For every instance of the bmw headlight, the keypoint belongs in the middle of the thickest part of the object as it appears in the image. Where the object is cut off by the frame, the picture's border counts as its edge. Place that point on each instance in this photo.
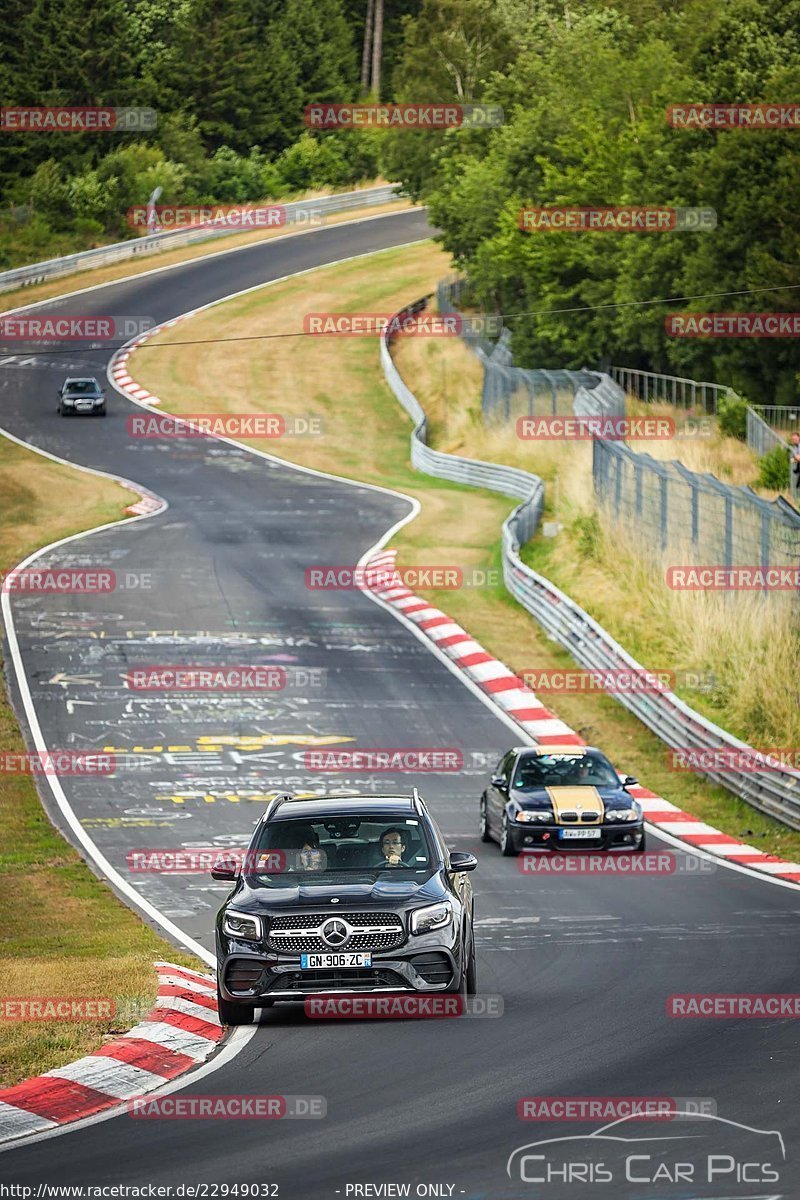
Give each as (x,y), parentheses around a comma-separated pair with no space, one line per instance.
(622,814)
(534,814)
(434,916)
(242,925)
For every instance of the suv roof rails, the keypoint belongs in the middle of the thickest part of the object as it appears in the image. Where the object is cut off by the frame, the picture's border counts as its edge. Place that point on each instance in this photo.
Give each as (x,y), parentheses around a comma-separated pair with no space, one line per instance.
(275,801)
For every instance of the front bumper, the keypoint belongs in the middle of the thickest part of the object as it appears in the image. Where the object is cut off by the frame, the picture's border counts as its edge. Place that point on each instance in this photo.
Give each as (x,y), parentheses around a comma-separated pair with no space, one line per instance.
(247,976)
(85,405)
(613,836)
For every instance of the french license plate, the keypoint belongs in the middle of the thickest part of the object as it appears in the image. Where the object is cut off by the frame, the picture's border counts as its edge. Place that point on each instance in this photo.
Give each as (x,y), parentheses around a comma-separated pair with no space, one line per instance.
(580,834)
(308,962)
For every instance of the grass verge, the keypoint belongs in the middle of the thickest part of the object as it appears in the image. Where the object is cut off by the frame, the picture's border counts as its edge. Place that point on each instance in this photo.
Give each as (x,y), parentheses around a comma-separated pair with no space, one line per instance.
(64,933)
(366,437)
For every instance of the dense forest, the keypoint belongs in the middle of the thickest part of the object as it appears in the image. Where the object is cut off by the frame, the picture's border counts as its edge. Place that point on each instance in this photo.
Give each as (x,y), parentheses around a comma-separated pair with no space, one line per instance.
(584,87)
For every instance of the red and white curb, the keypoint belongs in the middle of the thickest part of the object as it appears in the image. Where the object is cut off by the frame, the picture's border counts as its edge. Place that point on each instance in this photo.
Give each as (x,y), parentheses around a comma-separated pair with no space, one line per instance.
(181,1031)
(118,369)
(510,694)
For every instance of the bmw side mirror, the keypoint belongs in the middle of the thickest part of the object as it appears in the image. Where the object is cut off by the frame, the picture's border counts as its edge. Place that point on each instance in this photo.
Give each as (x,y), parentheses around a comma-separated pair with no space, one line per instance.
(498,781)
(629,781)
(226,869)
(460,861)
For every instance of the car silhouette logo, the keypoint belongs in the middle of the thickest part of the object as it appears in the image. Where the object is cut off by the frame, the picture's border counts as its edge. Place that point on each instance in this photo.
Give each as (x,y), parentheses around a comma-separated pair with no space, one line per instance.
(336,932)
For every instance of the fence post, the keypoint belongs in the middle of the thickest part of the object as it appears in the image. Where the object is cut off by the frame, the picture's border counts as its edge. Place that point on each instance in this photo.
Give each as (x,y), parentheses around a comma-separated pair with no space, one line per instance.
(664,510)
(728,531)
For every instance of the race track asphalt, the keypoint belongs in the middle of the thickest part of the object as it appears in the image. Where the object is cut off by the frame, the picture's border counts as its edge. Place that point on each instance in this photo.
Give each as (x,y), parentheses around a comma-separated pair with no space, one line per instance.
(584,965)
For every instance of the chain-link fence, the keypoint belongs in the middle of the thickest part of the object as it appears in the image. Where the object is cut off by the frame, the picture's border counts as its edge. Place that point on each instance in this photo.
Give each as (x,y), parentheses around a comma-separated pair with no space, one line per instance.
(670,507)
(509,392)
(667,506)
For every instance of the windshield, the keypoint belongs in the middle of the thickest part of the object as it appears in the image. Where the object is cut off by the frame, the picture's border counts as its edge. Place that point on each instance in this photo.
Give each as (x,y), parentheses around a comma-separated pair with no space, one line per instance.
(319,850)
(564,770)
(83,386)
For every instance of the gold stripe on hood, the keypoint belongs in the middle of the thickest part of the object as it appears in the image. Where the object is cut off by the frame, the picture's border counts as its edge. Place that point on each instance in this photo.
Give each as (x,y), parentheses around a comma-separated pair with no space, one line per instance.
(571,799)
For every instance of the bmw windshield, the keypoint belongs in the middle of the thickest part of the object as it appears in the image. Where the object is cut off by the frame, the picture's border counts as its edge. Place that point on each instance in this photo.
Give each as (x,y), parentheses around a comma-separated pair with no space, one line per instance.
(332,848)
(564,770)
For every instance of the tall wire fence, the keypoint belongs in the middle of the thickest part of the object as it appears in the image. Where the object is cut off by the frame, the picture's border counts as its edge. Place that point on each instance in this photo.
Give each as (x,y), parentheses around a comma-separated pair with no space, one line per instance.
(666,505)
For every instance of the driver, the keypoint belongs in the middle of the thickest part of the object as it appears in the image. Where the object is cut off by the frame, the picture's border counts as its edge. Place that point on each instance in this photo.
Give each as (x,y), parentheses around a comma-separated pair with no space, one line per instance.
(392,844)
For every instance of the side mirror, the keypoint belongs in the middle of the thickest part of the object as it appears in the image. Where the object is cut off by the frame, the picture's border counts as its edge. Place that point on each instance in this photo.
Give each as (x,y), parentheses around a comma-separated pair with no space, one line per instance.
(629,781)
(226,869)
(499,781)
(460,861)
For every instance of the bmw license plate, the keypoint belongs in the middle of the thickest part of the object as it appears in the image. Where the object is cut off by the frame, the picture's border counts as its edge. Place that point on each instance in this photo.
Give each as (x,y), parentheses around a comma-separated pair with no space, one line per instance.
(580,833)
(309,962)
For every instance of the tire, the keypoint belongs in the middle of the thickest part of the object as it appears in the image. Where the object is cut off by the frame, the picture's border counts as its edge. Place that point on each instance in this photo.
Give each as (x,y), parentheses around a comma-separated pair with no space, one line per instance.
(484,823)
(102,411)
(506,845)
(472,973)
(640,849)
(234,1014)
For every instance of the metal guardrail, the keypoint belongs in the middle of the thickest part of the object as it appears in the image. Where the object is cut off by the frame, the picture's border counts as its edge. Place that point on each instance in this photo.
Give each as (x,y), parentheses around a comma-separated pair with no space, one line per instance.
(670,389)
(776,792)
(101,256)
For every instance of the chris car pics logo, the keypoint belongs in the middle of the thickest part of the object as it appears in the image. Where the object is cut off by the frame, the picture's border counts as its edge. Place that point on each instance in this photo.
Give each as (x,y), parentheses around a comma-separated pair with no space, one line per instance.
(693,1150)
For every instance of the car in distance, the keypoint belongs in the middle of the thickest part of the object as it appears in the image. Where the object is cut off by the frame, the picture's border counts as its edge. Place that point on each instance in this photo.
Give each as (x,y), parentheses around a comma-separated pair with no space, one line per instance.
(81,396)
(343,894)
(570,799)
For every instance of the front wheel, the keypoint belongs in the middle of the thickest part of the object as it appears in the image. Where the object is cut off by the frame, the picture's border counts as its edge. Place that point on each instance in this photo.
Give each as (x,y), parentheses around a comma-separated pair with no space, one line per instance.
(640,849)
(506,844)
(472,973)
(234,1014)
(484,824)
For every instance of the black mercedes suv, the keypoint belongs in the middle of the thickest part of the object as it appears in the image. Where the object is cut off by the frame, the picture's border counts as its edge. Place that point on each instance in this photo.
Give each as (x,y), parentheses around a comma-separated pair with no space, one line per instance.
(342,895)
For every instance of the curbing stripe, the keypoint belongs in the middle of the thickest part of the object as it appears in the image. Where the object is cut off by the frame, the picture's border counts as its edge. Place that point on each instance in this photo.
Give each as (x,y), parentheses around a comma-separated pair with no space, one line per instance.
(510,694)
(181,1031)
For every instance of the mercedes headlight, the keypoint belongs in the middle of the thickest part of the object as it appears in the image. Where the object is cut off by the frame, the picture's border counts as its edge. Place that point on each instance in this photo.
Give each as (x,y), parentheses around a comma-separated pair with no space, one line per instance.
(534,814)
(434,916)
(242,925)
